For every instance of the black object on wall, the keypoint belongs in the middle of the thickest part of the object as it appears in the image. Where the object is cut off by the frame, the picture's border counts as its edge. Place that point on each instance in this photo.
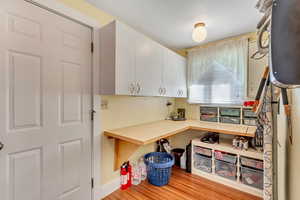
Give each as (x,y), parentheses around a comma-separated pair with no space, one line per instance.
(285,43)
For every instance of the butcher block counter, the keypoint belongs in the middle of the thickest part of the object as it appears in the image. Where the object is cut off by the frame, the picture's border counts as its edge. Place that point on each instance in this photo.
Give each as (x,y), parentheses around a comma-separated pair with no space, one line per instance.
(129,139)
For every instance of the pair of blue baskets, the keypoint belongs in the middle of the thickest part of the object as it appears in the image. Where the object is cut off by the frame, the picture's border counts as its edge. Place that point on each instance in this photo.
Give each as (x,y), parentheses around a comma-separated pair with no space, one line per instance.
(159,167)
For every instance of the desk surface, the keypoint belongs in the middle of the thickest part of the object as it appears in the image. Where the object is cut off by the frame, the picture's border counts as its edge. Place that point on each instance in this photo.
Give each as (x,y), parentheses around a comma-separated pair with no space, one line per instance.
(150,132)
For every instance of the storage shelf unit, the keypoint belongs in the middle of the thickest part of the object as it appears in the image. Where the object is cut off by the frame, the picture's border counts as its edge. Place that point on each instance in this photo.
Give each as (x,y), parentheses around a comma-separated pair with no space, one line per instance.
(225,146)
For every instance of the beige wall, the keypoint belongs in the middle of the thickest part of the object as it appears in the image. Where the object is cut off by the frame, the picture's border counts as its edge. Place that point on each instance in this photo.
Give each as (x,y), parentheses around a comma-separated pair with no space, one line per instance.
(125,111)
(89,10)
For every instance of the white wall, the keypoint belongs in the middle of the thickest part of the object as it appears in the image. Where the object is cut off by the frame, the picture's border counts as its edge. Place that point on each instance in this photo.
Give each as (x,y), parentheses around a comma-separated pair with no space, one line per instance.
(294,150)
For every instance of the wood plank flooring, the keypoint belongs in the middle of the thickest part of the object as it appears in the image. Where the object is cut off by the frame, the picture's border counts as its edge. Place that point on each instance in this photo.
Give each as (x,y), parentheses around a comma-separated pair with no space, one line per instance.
(182,186)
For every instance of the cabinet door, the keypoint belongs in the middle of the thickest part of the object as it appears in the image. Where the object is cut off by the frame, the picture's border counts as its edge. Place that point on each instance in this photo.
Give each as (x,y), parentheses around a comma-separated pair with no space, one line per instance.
(255,70)
(125,60)
(170,82)
(181,77)
(149,60)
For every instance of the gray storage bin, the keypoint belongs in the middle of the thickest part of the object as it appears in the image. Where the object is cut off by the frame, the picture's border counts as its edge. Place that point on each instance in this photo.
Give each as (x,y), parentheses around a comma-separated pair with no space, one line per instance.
(249,113)
(203,163)
(226,170)
(203,151)
(209,114)
(208,118)
(250,121)
(227,157)
(253,163)
(209,110)
(252,177)
(230,120)
(230,112)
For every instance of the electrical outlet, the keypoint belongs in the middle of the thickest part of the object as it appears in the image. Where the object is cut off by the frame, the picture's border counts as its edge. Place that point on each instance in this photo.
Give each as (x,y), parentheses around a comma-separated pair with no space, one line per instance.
(104,104)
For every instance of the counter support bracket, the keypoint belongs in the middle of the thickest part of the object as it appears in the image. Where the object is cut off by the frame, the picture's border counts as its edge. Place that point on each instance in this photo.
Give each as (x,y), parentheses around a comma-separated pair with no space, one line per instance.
(123,151)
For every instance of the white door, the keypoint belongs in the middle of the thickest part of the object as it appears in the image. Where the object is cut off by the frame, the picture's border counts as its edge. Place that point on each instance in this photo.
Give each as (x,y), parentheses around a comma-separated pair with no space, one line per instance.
(125,59)
(45,103)
(149,60)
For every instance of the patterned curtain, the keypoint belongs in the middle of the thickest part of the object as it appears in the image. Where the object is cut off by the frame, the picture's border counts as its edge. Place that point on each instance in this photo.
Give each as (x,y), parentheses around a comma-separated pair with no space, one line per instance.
(265,120)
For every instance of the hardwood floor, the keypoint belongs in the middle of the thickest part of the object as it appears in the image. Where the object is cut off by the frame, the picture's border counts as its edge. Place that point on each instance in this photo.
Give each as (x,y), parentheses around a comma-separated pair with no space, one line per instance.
(182,186)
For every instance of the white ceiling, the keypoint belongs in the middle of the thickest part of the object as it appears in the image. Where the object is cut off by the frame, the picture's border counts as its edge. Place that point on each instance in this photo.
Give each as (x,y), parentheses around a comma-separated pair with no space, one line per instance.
(170,22)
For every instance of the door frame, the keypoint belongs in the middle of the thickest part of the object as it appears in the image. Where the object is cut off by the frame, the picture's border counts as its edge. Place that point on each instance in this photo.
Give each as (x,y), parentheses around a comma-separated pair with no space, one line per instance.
(62,10)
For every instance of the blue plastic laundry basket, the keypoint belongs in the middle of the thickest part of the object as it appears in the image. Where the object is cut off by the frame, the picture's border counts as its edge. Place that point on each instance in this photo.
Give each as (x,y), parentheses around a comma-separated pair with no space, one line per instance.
(159,167)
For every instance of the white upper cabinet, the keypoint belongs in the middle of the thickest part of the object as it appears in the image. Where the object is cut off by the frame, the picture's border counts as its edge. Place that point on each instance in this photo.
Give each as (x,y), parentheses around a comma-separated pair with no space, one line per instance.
(149,62)
(132,64)
(125,60)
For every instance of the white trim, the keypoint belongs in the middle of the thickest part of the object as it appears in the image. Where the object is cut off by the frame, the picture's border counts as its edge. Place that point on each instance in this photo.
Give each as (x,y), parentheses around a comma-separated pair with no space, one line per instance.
(67,11)
(106,189)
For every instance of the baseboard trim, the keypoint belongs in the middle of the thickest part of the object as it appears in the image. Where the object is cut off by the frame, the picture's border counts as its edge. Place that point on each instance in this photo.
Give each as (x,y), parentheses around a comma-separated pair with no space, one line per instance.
(103,190)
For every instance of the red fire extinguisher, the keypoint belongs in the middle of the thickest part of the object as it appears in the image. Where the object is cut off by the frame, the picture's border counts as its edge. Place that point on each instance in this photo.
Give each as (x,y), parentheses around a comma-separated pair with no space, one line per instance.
(124,177)
(129,172)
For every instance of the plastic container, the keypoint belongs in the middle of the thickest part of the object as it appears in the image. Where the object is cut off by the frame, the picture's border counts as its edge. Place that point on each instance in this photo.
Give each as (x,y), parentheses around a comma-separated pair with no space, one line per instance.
(177,155)
(230,120)
(136,174)
(249,113)
(143,169)
(183,161)
(209,114)
(159,167)
(230,112)
(250,121)
(203,151)
(250,162)
(226,170)
(209,110)
(208,118)
(203,163)
(227,157)
(252,177)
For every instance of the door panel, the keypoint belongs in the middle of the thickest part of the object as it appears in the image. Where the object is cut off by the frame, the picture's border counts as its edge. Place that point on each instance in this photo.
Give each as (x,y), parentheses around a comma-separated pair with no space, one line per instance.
(24,78)
(45,104)
(25,175)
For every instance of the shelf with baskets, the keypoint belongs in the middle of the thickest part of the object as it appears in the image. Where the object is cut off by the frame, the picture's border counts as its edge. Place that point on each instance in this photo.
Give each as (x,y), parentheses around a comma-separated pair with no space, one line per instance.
(240,169)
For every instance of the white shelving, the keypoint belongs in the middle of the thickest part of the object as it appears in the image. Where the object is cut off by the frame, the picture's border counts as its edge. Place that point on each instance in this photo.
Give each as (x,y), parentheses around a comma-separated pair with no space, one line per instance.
(225,146)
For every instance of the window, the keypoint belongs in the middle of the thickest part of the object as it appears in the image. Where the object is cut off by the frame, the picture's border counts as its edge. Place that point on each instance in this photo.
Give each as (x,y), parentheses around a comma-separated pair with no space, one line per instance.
(218,74)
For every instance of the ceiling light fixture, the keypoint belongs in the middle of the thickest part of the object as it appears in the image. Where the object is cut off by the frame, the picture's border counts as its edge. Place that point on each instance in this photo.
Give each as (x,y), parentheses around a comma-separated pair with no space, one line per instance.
(199,32)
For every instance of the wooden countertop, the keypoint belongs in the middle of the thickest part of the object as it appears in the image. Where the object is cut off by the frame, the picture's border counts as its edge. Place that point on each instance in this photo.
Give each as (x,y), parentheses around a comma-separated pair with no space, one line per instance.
(148,133)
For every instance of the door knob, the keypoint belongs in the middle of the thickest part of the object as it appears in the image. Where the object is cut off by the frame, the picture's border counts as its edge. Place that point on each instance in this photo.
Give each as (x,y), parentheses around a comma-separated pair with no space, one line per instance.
(1,146)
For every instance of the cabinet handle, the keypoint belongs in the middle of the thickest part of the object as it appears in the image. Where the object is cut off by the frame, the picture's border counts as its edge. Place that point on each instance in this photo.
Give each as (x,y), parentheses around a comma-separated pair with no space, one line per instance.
(178,93)
(160,91)
(138,89)
(164,91)
(1,146)
(131,88)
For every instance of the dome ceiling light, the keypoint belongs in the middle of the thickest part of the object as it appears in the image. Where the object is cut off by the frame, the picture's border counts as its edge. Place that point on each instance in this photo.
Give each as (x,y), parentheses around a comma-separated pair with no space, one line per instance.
(199,32)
